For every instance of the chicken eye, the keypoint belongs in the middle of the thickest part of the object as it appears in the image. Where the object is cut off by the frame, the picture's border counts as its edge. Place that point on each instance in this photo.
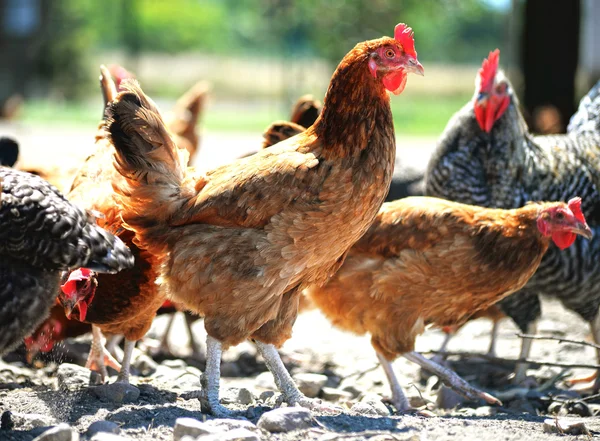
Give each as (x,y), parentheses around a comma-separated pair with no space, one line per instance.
(390,53)
(559,216)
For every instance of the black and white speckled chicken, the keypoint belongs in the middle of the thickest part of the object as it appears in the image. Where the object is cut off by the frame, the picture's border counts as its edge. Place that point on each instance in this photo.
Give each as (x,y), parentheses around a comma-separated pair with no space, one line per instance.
(486,156)
(42,234)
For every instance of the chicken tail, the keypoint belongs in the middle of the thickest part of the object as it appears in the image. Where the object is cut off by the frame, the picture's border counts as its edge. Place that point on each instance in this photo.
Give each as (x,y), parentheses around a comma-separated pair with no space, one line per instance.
(151,163)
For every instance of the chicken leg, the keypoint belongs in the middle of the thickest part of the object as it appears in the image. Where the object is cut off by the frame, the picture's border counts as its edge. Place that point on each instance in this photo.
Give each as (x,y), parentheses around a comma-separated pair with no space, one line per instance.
(451,378)
(285,383)
(128,348)
(521,368)
(493,338)
(593,381)
(99,358)
(399,399)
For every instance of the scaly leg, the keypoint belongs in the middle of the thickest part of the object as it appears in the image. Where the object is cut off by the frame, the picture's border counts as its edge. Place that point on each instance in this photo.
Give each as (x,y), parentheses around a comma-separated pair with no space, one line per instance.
(493,338)
(165,346)
(521,368)
(285,383)
(451,378)
(399,399)
(441,358)
(210,381)
(123,376)
(594,379)
(112,346)
(99,358)
(189,321)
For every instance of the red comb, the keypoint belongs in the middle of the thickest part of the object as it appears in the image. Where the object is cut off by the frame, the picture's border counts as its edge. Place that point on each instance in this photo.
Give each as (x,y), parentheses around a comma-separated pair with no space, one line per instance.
(405,36)
(575,206)
(488,70)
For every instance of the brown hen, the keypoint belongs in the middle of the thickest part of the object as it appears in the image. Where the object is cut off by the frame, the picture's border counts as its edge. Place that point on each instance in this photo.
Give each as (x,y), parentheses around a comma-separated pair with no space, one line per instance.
(243,240)
(428,261)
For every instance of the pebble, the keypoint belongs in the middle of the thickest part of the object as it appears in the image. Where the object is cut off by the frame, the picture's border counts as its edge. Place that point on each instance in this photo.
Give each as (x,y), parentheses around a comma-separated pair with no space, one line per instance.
(28,420)
(265,380)
(266,395)
(102,426)
(448,399)
(6,420)
(231,435)
(565,426)
(239,395)
(310,384)
(353,390)
(332,394)
(117,392)
(286,419)
(375,402)
(225,424)
(175,364)
(105,436)
(62,432)
(191,427)
(73,377)
(145,365)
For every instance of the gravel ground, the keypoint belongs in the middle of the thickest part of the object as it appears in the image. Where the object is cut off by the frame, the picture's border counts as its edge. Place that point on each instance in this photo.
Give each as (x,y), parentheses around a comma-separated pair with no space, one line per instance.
(32,400)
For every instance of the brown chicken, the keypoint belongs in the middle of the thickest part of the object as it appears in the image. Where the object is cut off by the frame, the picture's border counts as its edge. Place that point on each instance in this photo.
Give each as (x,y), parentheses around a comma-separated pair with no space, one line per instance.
(124,303)
(428,261)
(244,239)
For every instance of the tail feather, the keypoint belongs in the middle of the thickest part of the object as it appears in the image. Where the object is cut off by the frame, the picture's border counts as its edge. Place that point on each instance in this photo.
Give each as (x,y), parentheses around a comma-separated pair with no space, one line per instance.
(152,164)
(587,117)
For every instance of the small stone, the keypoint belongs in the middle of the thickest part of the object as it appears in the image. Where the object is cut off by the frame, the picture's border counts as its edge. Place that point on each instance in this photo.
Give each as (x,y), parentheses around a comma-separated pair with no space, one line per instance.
(102,426)
(145,365)
(191,427)
(105,436)
(6,420)
(565,426)
(73,377)
(352,390)
(62,432)
(310,384)
(29,420)
(364,409)
(231,435)
(117,392)
(225,424)
(448,399)
(375,402)
(177,363)
(332,394)
(238,395)
(485,411)
(265,380)
(266,395)
(286,419)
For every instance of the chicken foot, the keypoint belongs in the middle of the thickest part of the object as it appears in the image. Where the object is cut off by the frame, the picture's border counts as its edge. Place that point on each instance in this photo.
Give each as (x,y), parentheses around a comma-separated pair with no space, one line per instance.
(451,378)
(285,383)
(99,358)
(590,383)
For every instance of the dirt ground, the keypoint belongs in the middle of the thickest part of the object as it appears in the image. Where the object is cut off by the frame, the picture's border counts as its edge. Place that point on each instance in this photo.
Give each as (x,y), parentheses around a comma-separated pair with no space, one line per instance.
(37,399)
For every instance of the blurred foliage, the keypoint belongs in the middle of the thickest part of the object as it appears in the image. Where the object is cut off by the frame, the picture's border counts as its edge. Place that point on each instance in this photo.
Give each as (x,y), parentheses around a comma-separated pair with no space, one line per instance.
(455,31)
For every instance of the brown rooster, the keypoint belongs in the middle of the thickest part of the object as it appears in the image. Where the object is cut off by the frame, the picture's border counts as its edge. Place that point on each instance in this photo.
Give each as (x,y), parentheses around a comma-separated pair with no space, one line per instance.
(124,303)
(244,239)
(428,261)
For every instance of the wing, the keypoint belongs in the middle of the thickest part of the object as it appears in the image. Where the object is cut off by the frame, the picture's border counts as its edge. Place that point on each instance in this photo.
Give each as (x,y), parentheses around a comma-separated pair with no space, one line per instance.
(250,191)
(414,223)
(587,117)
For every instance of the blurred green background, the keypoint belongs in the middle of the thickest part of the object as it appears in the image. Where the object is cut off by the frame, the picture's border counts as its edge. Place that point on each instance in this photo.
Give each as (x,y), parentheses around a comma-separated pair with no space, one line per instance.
(259,55)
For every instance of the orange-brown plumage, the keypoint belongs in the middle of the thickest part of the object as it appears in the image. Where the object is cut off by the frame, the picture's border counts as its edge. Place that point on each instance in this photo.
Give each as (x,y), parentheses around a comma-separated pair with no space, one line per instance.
(427,261)
(245,238)
(123,303)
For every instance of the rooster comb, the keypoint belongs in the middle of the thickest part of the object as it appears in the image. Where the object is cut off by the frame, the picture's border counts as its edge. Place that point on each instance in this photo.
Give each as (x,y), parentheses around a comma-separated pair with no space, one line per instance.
(488,70)
(405,36)
(575,206)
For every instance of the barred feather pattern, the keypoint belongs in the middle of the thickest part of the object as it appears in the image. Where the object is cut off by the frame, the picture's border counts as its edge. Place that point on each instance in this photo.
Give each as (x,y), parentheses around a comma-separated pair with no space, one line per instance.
(509,167)
(41,234)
